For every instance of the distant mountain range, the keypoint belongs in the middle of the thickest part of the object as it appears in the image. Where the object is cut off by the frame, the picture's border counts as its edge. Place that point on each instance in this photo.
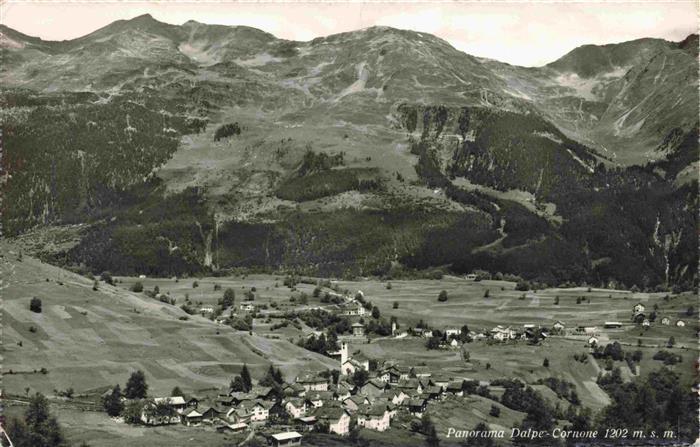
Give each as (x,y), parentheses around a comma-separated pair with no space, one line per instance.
(379,151)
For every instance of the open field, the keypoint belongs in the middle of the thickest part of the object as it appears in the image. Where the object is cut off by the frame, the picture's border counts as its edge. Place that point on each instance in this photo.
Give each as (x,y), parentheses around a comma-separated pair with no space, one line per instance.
(90,339)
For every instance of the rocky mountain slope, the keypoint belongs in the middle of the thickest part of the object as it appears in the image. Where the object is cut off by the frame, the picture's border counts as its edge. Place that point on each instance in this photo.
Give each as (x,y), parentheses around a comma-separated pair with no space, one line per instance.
(368,152)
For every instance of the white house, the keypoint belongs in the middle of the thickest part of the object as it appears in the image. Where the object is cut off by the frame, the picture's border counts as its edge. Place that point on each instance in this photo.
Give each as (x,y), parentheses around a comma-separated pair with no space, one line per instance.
(295,407)
(593,341)
(374,418)
(452,331)
(312,383)
(286,439)
(338,419)
(680,323)
(559,326)
(639,308)
(666,321)
(247,307)
(260,411)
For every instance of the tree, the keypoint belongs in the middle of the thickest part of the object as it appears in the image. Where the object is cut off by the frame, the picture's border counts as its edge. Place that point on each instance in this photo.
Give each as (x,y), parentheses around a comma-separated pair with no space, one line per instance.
(556,300)
(35,305)
(671,341)
(229,298)
(95,286)
(495,411)
(137,287)
(136,387)
(442,296)
(360,377)
(112,402)
(107,277)
(433,342)
(176,391)
(388,286)
(237,385)
(375,312)
(38,428)
(395,305)
(245,377)
(486,293)
(132,412)
(545,363)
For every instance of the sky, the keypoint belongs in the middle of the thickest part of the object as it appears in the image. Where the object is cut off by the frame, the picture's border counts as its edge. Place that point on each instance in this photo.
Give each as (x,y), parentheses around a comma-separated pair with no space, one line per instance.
(523,33)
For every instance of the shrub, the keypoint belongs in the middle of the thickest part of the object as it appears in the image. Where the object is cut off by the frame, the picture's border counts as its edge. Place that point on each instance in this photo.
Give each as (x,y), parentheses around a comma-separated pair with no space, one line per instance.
(442,297)
(495,411)
(487,293)
(35,305)
(107,277)
(395,305)
(137,287)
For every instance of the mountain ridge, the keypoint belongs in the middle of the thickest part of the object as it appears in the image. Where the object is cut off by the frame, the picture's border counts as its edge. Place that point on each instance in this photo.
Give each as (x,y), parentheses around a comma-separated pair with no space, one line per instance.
(390,125)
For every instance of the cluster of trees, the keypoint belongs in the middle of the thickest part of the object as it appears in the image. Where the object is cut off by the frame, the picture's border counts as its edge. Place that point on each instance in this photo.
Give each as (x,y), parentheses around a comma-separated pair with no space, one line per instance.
(657,402)
(315,185)
(35,305)
(136,388)
(38,427)
(313,162)
(243,381)
(227,130)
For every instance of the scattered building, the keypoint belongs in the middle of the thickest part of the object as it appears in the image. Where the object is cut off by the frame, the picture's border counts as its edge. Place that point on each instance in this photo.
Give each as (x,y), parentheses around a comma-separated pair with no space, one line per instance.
(285,439)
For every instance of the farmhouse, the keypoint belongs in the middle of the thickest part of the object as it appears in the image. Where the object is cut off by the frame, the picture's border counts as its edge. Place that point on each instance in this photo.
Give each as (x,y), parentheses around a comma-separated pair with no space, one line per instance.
(191,417)
(470,277)
(680,323)
(455,388)
(558,326)
(374,417)
(338,419)
(285,439)
(500,333)
(247,307)
(593,341)
(646,322)
(260,411)
(177,403)
(312,383)
(355,310)
(666,321)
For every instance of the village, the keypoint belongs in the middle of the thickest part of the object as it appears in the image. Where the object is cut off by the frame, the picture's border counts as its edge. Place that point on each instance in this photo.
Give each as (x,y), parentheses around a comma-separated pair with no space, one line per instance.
(362,392)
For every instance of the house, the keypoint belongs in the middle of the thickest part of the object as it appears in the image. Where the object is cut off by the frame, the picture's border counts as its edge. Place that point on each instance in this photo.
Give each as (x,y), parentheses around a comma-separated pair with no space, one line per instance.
(159,413)
(588,330)
(312,383)
(294,389)
(680,323)
(593,341)
(192,402)
(455,388)
(356,310)
(374,417)
(337,418)
(499,333)
(358,329)
(239,415)
(354,403)
(452,332)
(638,308)
(646,322)
(612,325)
(409,386)
(295,406)
(558,327)
(206,310)
(373,388)
(233,428)
(247,307)
(286,439)
(315,399)
(433,392)
(417,405)
(260,411)
(470,277)
(175,402)
(427,333)
(454,343)
(397,373)
(343,391)
(666,321)
(306,423)
(210,414)
(191,417)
